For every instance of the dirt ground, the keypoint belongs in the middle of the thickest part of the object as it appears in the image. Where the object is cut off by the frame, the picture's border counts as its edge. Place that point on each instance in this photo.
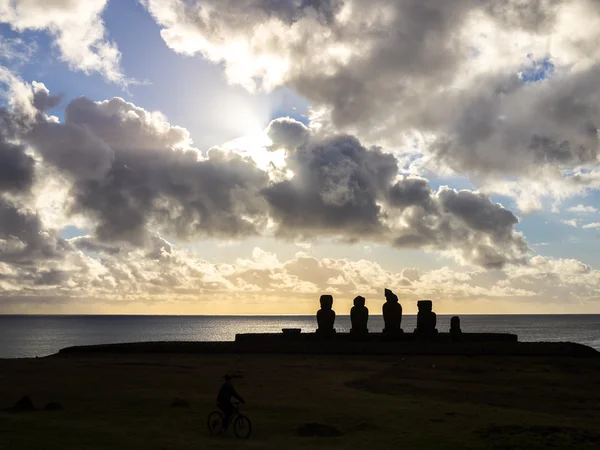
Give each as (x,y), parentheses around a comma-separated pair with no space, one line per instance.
(124,401)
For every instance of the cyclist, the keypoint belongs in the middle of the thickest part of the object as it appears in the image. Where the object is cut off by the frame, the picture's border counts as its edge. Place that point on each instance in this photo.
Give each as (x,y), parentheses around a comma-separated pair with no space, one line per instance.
(224,399)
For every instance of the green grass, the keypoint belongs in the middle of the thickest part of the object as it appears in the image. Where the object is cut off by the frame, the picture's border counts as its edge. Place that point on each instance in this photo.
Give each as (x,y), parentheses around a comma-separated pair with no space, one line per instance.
(376,402)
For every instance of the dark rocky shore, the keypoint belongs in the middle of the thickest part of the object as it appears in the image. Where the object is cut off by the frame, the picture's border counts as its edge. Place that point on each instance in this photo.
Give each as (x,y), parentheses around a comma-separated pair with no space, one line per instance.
(265,344)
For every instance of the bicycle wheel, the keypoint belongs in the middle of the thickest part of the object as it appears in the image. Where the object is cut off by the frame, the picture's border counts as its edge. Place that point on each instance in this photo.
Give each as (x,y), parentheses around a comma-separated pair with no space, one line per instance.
(242,427)
(215,423)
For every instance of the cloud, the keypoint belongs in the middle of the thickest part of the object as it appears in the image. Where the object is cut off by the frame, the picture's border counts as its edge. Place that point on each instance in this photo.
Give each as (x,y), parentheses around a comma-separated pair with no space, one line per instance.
(592,225)
(77,29)
(571,223)
(90,269)
(583,209)
(163,272)
(16,51)
(131,173)
(552,187)
(130,170)
(287,133)
(134,171)
(557,280)
(16,167)
(335,189)
(341,188)
(23,238)
(444,80)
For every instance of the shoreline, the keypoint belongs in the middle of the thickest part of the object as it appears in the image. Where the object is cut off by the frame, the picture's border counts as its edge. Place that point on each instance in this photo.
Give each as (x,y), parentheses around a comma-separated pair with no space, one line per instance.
(279,347)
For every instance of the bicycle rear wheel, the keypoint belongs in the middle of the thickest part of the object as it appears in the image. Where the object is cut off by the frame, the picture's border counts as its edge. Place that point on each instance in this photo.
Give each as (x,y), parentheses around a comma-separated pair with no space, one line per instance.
(215,423)
(242,427)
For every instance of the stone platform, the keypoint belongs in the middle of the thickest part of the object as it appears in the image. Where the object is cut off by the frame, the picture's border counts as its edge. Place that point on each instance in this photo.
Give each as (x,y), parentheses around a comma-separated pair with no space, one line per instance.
(372,338)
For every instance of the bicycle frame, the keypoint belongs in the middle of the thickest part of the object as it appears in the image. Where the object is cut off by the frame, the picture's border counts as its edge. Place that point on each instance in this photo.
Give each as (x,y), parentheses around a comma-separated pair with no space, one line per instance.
(235,413)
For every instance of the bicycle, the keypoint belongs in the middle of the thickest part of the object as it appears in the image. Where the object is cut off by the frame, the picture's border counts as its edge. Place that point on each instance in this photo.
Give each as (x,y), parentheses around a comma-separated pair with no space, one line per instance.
(242,427)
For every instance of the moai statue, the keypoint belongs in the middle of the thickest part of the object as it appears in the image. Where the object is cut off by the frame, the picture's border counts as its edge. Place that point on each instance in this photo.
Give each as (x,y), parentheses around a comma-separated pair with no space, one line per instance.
(359,316)
(455,326)
(392,313)
(326,315)
(426,318)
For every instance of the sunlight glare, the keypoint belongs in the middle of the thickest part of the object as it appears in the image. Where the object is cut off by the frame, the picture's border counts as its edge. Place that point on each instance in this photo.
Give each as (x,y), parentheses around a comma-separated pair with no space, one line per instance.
(256,146)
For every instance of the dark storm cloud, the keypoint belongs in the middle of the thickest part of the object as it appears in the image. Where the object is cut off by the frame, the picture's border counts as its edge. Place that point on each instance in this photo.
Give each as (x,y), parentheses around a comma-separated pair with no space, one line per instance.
(341,188)
(478,212)
(23,239)
(514,127)
(132,170)
(481,216)
(410,191)
(465,223)
(73,148)
(335,188)
(51,277)
(16,168)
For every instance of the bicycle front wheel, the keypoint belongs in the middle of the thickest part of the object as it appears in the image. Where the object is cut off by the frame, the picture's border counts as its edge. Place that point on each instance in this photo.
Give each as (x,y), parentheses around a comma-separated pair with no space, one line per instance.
(215,423)
(242,427)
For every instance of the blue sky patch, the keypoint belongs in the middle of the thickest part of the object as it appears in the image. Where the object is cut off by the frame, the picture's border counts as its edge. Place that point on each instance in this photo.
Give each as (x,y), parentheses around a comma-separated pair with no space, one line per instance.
(538,70)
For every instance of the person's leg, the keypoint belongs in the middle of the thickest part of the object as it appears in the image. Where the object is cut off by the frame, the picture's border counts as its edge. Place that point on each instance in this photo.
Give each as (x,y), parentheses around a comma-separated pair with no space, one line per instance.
(228,411)
(225,410)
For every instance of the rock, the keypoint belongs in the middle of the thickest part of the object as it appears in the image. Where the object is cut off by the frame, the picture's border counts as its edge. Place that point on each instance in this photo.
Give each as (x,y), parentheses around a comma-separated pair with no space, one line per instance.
(179,403)
(23,405)
(359,316)
(392,313)
(291,331)
(318,429)
(53,406)
(326,315)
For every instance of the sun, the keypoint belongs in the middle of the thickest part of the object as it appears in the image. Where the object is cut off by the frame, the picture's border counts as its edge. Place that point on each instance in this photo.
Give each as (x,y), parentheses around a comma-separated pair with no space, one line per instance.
(257,146)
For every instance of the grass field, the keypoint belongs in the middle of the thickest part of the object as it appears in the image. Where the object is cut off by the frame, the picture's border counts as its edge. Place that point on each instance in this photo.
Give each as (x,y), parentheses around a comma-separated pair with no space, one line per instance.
(376,402)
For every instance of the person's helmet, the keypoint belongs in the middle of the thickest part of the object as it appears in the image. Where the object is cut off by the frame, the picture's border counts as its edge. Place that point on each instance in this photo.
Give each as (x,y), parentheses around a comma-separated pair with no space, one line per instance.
(227,377)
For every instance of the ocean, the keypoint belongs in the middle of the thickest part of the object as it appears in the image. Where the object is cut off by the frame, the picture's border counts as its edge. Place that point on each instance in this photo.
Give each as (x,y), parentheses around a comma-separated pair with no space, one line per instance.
(28,336)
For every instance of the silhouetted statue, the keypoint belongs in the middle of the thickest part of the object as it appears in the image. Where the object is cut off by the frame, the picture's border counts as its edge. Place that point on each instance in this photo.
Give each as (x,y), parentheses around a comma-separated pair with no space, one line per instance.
(326,315)
(455,326)
(426,318)
(359,316)
(392,313)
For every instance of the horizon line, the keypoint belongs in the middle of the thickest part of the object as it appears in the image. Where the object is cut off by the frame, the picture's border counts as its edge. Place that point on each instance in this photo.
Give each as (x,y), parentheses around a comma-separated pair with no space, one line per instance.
(275,315)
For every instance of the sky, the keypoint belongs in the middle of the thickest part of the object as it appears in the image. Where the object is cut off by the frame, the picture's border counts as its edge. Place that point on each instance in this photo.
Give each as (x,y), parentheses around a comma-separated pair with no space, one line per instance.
(247,156)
